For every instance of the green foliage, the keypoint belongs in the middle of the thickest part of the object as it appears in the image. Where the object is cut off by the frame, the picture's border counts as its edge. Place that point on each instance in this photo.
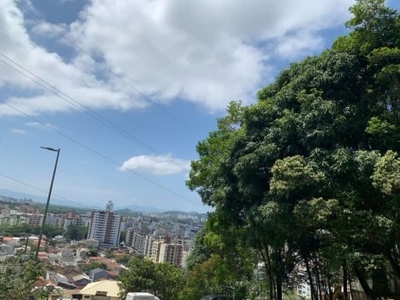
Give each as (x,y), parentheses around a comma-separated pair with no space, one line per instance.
(75,232)
(110,253)
(123,259)
(206,173)
(162,280)
(93,252)
(170,281)
(219,263)
(60,209)
(374,25)
(122,236)
(201,251)
(49,230)
(17,279)
(309,174)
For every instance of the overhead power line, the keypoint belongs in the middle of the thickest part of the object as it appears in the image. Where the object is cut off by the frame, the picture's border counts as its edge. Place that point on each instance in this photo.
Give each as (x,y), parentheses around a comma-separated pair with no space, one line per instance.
(52,89)
(15,66)
(31,11)
(41,190)
(74,103)
(100,154)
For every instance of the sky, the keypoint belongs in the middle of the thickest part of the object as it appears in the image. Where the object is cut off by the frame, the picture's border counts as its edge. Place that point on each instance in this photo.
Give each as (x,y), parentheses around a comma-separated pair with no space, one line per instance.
(127,88)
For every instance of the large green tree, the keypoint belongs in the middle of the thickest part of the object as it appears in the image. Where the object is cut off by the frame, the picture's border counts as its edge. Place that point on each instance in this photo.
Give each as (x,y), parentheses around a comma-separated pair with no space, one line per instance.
(76,232)
(17,278)
(219,263)
(163,280)
(310,171)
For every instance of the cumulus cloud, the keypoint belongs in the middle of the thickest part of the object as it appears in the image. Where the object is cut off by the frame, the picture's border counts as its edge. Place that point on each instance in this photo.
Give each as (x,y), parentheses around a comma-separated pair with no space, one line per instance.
(60,83)
(206,52)
(202,51)
(156,164)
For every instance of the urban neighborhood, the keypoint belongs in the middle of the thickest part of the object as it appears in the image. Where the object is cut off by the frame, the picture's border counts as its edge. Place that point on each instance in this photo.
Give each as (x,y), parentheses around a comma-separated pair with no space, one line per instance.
(159,237)
(199,150)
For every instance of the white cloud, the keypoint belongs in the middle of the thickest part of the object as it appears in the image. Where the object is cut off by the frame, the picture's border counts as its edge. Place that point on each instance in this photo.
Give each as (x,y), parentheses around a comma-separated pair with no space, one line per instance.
(207,52)
(49,30)
(18,131)
(41,125)
(156,164)
(297,44)
(203,51)
(55,75)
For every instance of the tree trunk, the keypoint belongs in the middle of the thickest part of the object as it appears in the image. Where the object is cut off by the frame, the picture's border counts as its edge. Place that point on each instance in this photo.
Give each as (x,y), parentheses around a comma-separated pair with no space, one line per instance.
(279,271)
(317,279)
(394,262)
(267,261)
(351,287)
(345,294)
(310,279)
(364,284)
(329,287)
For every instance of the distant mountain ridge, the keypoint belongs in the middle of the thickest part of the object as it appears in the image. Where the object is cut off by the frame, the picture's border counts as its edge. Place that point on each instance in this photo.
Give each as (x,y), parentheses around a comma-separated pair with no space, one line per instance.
(177,212)
(138,208)
(22,196)
(42,199)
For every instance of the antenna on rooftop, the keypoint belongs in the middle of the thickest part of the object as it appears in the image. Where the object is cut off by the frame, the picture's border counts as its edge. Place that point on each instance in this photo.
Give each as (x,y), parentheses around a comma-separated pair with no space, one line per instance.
(110,206)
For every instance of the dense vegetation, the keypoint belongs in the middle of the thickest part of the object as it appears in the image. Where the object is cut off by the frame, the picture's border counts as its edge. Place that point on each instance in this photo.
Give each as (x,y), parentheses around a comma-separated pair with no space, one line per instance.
(163,279)
(49,230)
(17,277)
(308,176)
(76,232)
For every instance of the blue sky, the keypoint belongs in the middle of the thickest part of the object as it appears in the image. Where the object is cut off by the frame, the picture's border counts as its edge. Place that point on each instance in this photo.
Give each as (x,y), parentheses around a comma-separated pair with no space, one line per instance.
(126,88)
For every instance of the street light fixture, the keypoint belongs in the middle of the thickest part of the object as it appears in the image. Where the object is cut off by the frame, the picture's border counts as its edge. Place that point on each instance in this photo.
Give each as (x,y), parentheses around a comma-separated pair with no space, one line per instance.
(48,197)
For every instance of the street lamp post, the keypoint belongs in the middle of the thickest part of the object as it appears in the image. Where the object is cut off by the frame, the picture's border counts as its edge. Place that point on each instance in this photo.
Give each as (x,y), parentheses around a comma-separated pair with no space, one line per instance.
(48,198)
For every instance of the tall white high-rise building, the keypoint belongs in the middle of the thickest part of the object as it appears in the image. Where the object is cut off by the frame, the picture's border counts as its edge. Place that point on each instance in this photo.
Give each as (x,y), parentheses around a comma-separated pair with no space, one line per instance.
(105,226)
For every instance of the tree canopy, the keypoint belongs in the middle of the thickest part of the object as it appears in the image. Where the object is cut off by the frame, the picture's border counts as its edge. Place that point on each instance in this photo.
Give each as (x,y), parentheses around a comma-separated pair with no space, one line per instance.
(311,170)
(162,279)
(17,278)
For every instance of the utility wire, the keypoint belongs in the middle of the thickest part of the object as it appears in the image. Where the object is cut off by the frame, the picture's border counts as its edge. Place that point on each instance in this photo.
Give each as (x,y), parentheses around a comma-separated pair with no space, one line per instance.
(100,154)
(77,105)
(117,76)
(42,190)
(39,81)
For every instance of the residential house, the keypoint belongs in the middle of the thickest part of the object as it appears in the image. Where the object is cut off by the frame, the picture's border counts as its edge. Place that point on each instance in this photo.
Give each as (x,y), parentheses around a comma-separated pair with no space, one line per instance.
(98,274)
(60,280)
(104,290)
(113,267)
(81,280)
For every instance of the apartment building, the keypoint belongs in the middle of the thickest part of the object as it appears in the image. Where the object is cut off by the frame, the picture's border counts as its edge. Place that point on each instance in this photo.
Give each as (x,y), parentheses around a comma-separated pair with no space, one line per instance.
(171,253)
(105,226)
(155,250)
(79,220)
(138,237)
(147,245)
(164,251)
